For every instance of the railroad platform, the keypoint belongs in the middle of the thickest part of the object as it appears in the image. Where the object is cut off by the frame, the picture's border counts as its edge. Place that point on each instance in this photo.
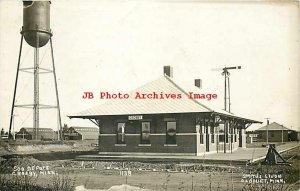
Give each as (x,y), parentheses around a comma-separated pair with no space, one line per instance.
(241,156)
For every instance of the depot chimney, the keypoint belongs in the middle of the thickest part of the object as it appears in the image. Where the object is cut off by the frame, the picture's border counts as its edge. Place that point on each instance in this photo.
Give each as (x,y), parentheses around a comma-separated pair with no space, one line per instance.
(168,71)
(198,83)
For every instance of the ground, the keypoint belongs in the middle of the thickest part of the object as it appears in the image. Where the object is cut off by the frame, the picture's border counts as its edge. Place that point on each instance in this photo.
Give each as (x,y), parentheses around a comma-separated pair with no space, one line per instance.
(155,176)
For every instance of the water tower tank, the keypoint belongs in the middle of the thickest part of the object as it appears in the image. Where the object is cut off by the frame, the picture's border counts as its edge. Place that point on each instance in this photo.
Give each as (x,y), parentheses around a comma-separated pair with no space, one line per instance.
(36,23)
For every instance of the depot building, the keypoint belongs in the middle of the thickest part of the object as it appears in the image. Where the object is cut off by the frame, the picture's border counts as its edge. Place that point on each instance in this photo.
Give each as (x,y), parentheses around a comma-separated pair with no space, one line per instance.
(182,126)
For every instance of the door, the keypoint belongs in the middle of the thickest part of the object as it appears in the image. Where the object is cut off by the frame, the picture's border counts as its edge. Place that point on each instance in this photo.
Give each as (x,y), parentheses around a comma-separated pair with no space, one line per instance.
(240,138)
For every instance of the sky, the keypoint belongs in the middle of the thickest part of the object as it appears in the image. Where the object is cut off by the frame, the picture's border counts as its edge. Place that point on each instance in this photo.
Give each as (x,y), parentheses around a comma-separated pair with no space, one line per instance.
(117,46)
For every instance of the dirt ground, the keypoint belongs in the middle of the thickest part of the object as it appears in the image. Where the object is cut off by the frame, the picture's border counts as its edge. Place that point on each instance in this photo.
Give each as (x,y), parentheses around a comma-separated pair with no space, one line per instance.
(33,147)
(160,176)
(163,180)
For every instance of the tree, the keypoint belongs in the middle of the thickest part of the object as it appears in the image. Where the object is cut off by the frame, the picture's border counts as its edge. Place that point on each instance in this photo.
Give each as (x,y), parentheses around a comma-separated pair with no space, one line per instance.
(2,132)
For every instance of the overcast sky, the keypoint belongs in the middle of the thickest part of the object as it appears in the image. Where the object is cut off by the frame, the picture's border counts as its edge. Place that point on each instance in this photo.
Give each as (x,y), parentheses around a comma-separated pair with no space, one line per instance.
(117,46)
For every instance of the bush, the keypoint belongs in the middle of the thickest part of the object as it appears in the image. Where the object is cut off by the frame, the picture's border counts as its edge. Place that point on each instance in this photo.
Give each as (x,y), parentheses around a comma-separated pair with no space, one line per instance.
(26,183)
(60,183)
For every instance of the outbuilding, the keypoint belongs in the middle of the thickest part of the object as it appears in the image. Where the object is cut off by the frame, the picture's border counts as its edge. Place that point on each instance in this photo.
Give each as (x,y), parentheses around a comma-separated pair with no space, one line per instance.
(45,134)
(275,132)
(81,133)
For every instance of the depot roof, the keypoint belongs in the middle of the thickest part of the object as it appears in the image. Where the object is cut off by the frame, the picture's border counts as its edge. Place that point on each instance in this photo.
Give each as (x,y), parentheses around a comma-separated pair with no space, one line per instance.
(133,106)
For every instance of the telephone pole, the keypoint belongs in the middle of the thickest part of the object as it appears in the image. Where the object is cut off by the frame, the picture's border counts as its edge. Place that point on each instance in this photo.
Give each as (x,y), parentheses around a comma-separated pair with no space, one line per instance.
(227,125)
(268,122)
(226,75)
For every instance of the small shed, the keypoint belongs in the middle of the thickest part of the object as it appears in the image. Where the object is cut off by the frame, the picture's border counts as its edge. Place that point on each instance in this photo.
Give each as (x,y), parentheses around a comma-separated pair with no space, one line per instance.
(273,132)
(81,133)
(42,134)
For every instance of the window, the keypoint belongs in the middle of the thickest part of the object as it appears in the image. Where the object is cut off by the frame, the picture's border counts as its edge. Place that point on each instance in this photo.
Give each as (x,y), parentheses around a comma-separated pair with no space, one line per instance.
(145,133)
(221,138)
(201,133)
(259,134)
(121,133)
(272,134)
(171,133)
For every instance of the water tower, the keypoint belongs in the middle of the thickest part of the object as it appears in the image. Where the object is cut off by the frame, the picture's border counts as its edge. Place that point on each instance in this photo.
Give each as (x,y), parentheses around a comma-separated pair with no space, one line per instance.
(37,33)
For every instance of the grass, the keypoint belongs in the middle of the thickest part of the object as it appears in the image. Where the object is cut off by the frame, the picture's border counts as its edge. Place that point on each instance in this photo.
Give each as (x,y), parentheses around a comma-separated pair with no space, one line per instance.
(94,175)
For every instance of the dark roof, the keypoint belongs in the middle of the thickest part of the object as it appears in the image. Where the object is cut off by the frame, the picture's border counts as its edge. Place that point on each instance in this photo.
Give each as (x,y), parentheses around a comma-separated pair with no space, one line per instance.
(132,106)
(30,129)
(274,127)
(45,133)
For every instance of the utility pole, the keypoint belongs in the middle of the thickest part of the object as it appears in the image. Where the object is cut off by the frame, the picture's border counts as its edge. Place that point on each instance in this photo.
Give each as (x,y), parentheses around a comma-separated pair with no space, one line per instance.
(281,133)
(268,122)
(226,75)
(227,124)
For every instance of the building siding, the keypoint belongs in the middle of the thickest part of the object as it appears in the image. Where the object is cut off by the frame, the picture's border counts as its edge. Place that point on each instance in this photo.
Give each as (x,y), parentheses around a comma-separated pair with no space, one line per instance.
(187,135)
(273,136)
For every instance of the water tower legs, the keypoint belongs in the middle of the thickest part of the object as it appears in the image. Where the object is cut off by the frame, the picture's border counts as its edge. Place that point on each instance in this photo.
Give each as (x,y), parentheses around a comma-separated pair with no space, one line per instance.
(15,90)
(59,131)
(36,100)
(36,106)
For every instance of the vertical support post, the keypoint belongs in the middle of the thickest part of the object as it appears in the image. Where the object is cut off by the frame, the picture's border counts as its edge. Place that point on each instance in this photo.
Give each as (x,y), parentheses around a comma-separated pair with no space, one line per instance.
(229,136)
(197,138)
(267,136)
(232,134)
(217,139)
(268,122)
(225,91)
(204,136)
(99,125)
(15,89)
(225,135)
(228,94)
(214,130)
(244,137)
(59,133)
(36,89)
(206,130)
